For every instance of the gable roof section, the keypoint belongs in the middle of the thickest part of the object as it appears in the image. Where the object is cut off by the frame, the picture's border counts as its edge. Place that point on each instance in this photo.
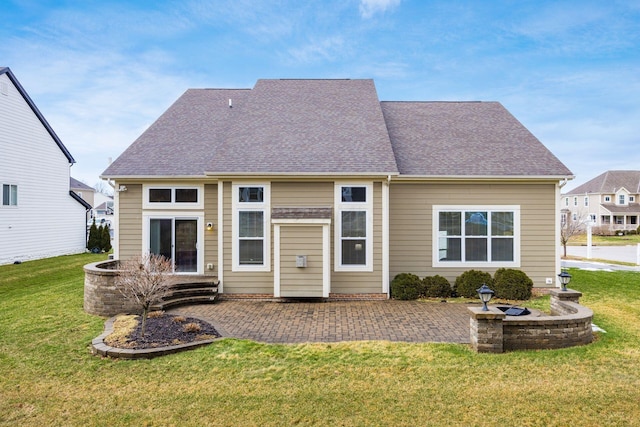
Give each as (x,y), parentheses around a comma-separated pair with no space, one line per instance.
(32,105)
(278,127)
(609,182)
(184,140)
(308,127)
(475,139)
(332,127)
(75,184)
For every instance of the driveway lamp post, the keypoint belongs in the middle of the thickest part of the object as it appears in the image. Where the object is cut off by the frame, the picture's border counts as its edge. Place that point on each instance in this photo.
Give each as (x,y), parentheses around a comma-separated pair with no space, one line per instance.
(565,278)
(485,295)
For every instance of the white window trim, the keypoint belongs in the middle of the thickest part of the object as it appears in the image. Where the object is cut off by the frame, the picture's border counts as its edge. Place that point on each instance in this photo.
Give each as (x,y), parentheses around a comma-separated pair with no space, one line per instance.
(326,251)
(367,207)
(146,204)
(199,216)
(265,207)
(10,205)
(436,209)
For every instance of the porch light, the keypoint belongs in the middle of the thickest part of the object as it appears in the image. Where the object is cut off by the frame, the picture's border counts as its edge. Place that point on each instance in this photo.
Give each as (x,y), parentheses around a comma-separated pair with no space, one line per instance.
(209,226)
(565,278)
(485,295)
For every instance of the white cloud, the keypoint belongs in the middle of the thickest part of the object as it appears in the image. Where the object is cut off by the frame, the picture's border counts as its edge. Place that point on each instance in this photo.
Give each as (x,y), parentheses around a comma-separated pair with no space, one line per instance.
(326,49)
(368,8)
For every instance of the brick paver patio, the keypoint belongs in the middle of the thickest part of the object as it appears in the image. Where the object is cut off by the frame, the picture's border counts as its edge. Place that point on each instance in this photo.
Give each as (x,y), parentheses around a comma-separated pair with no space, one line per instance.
(296,322)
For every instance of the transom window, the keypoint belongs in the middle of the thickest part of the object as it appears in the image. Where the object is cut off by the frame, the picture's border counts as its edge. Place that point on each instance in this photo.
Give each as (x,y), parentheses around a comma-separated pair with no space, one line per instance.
(251,228)
(354,227)
(9,195)
(160,196)
(476,236)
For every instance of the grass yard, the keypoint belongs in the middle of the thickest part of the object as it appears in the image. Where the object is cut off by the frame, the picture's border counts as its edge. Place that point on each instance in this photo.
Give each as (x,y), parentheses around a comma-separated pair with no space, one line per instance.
(581,240)
(48,376)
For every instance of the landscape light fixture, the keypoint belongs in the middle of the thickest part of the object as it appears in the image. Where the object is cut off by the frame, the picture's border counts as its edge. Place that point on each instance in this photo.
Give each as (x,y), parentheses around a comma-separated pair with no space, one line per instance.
(485,295)
(565,278)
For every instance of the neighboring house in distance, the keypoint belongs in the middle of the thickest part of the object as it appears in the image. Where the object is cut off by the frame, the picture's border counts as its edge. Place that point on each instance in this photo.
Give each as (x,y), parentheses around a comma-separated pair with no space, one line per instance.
(610,201)
(315,188)
(34,172)
(83,190)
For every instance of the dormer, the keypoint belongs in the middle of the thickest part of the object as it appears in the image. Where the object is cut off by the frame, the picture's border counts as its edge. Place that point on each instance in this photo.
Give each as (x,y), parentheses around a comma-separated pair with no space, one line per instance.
(622,197)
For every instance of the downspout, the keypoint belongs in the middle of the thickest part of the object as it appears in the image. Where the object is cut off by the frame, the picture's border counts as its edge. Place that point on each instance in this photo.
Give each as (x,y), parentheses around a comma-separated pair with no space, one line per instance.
(385,237)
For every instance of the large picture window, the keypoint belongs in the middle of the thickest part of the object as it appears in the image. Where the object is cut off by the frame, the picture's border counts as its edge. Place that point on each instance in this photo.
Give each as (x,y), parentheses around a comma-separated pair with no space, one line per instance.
(354,227)
(476,236)
(251,227)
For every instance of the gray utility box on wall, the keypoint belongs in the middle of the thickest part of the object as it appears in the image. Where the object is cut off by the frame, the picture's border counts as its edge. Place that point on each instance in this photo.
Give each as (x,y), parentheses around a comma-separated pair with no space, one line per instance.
(301,261)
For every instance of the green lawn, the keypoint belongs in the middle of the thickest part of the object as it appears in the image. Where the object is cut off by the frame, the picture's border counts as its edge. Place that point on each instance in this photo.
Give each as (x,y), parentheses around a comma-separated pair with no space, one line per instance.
(48,376)
(581,239)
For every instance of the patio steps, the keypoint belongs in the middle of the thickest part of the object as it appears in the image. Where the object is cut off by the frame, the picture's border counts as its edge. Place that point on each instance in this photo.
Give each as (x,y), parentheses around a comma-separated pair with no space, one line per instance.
(188,293)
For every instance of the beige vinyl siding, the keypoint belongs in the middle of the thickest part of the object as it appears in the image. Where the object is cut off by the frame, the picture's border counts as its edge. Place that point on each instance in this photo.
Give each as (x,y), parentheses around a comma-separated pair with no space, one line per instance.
(129,225)
(241,282)
(410,226)
(362,282)
(301,194)
(297,281)
(211,237)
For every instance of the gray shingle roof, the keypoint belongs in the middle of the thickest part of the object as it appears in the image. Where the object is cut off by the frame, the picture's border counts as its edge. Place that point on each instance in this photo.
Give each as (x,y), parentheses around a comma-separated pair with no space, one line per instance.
(610,182)
(74,183)
(336,127)
(465,139)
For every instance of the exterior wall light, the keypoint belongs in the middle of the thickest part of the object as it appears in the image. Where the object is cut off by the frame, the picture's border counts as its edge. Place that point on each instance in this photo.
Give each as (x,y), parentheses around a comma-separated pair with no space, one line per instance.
(485,295)
(209,226)
(565,278)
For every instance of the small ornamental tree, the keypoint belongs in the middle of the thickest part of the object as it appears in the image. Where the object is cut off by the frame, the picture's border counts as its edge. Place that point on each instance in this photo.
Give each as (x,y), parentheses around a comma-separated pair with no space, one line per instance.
(93,241)
(105,241)
(144,280)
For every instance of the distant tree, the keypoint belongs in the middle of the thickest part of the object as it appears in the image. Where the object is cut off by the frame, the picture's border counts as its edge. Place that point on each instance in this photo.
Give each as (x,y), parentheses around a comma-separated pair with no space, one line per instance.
(94,238)
(570,227)
(144,280)
(104,188)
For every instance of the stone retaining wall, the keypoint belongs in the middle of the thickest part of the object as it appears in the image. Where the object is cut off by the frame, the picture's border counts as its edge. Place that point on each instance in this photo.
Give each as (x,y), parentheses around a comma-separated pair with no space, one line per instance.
(100,294)
(568,325)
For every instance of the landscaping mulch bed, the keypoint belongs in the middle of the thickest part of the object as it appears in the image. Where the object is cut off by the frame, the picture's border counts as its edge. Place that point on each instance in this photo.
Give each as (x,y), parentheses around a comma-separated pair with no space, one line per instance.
(167,329)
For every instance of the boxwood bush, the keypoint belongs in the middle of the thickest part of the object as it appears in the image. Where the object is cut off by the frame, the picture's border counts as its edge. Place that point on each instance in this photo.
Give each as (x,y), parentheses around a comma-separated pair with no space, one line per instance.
(509,283)
(467,283)
(436,287)
(406,286)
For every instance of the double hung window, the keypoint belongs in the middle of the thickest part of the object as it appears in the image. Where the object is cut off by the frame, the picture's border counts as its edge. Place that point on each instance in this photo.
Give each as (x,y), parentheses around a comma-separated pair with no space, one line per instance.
(251,227)
(476,236)
(354,227)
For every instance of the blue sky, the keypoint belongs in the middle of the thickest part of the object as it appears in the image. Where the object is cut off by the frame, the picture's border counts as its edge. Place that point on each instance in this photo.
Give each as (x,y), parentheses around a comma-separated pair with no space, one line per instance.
(102,71)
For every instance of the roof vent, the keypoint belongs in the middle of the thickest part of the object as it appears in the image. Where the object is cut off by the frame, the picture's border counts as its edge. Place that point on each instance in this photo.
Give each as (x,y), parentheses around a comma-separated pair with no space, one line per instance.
(230,103)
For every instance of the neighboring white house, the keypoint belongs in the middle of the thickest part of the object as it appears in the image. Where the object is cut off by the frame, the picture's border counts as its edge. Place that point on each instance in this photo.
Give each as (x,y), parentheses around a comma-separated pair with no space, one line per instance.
(34,172)
(610,201)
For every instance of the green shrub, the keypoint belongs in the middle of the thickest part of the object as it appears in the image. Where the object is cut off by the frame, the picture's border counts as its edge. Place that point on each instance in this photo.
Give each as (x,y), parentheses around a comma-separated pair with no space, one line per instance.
(467,283)
(93,244)
(406,286)
(512,284)
(105,241)
(436,287)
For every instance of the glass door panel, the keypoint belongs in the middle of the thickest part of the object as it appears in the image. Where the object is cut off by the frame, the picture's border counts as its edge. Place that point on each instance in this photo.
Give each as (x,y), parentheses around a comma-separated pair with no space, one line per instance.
(186,259)
(160,237)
